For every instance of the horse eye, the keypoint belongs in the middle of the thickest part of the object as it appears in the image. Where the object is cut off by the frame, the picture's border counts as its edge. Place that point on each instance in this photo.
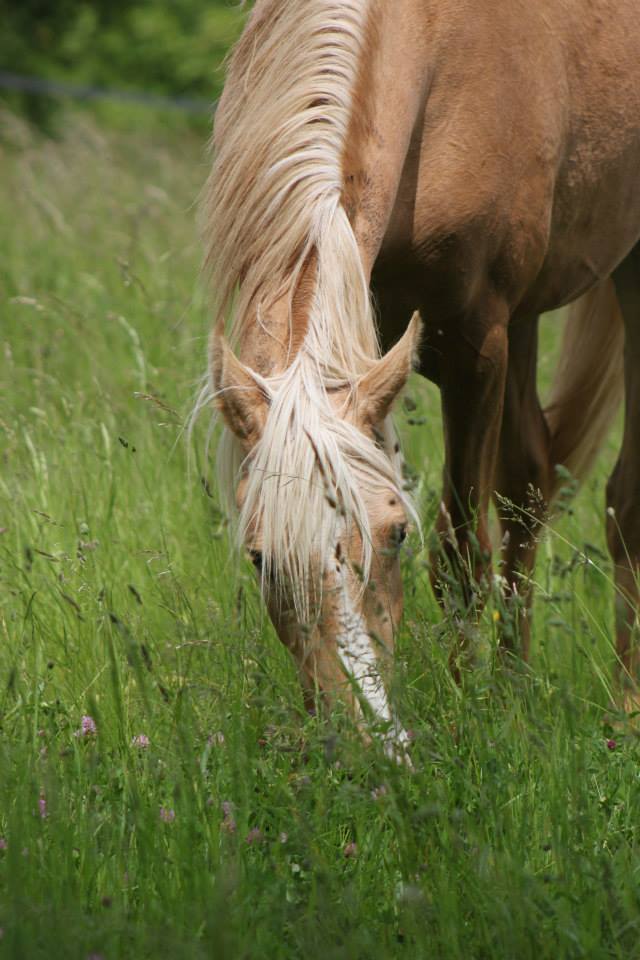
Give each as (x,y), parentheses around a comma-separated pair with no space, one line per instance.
(256,559)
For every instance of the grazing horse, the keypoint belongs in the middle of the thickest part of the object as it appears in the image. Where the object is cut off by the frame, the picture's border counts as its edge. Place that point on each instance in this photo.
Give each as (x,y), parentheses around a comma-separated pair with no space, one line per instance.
(478,163)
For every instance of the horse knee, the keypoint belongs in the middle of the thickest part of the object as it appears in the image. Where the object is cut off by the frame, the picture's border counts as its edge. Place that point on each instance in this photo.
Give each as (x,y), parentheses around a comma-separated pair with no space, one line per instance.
(528,486)
(539,464)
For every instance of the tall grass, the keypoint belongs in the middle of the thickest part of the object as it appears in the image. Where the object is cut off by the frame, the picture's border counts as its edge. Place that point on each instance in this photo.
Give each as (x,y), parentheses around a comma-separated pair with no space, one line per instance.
(207,816)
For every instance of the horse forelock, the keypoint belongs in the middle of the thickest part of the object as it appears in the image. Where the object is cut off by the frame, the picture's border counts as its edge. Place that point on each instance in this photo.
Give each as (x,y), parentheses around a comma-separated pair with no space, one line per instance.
(308,482)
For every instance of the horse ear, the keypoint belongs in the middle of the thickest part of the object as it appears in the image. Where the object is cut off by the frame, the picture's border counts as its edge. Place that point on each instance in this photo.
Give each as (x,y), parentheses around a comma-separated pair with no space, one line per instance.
(239,395)
(377,389)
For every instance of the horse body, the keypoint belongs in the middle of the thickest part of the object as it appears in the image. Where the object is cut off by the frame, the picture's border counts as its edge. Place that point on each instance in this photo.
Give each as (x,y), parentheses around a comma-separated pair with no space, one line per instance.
(518,158)
(478,163)
(519,191)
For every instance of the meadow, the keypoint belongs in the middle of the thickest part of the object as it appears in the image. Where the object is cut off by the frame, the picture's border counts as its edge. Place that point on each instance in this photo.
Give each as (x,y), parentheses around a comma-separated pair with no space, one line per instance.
(162,792)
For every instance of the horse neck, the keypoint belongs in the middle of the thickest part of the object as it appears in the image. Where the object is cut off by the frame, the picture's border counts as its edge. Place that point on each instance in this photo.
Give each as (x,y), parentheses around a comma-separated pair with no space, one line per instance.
(389,103)
(304,177)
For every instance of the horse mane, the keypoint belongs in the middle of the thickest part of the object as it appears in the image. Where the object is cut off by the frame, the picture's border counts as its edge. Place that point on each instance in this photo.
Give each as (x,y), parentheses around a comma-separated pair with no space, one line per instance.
(274,204)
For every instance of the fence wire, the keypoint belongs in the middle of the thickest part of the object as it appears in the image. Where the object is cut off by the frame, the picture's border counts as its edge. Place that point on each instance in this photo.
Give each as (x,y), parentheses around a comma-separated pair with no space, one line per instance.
(59,88)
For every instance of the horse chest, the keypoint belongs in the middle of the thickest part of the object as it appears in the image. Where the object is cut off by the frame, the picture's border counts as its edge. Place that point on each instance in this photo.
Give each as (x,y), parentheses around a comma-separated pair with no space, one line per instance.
(538,240)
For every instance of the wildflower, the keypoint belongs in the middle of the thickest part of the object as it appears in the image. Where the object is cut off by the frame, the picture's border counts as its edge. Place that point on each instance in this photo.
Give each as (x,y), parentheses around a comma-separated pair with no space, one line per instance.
(283,837)
(351,850)
(42,805)
(409,893)
(268,734)
(215,739)
(167,815)
(141,740)
(228,820)
(3,843)
(378,792)
(87,728)
(611,744)
(254,836)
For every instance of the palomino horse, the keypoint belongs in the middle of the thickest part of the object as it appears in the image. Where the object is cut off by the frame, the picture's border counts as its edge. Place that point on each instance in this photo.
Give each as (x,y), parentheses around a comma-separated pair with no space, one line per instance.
(479,163)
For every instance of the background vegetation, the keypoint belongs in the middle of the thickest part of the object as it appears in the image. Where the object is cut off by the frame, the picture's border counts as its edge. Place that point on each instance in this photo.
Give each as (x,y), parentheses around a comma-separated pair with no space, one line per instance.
(162,793)
(175,49)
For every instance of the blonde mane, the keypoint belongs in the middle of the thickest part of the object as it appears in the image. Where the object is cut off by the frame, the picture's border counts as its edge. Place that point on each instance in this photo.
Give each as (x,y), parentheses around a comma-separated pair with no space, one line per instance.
(274,204)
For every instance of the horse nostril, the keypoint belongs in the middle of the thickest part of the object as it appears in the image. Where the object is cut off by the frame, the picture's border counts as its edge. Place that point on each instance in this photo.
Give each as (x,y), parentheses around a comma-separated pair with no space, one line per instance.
(399,534)
(256,558)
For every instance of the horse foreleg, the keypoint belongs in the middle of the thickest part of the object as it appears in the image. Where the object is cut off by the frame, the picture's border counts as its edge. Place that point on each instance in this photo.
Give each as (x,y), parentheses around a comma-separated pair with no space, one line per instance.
(623,490)
(522,483)
(472,370)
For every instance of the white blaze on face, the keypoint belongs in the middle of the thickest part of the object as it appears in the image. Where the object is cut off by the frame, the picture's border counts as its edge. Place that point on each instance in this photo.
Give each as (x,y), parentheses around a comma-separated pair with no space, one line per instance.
(358,657)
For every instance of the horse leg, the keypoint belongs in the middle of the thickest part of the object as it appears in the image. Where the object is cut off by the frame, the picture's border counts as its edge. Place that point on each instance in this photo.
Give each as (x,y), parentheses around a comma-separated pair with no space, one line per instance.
(472,370)
(623,489)
(523,484)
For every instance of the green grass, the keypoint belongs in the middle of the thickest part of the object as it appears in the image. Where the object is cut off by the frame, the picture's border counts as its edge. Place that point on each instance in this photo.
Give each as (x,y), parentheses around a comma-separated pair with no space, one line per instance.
(517,833)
